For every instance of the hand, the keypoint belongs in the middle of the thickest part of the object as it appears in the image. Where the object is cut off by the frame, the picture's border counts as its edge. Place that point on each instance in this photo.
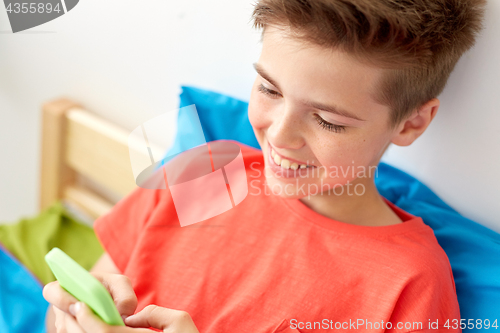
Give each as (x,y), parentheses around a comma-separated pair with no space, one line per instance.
(167,320)
(119,287)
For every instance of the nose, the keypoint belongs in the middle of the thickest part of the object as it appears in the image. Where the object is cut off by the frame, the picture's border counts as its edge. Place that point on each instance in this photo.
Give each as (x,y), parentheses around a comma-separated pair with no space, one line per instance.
(285,131)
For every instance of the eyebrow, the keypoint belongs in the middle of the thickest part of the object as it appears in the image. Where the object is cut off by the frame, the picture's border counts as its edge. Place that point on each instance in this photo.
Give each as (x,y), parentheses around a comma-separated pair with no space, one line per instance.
(319,106)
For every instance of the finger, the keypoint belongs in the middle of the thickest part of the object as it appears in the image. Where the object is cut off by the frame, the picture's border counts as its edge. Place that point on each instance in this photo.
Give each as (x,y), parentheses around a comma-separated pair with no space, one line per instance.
(162,319)
(71,325)
(56,295)
(60,320)
(120,288)
(91,323)
(87,320)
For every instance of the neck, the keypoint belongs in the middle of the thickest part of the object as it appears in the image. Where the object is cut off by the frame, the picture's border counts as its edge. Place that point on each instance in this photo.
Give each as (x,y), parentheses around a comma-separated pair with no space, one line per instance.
(365,208)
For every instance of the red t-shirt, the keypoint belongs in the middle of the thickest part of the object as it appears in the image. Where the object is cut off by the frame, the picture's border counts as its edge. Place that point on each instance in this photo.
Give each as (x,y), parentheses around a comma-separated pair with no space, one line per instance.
(274,265)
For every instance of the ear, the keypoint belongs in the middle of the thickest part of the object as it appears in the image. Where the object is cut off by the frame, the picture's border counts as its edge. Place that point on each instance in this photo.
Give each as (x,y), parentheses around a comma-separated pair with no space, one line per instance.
(411,128)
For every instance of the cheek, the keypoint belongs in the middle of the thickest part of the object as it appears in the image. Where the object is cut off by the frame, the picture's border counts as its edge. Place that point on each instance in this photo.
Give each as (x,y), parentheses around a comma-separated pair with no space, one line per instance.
(252,113)
(341,154)
(258,111)
(360,152)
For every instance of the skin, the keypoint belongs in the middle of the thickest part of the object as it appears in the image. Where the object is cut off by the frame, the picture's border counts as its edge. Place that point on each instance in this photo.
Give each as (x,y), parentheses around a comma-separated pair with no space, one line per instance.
(303,74)
(64,317)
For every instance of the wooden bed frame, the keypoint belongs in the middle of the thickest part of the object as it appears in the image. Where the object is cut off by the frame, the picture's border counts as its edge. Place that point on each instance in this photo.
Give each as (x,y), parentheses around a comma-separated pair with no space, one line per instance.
(85,159)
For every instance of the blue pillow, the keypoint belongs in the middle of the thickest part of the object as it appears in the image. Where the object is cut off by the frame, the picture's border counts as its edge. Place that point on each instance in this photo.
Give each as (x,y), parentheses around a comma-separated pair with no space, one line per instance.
(22,306)
(473,250)
(220,116)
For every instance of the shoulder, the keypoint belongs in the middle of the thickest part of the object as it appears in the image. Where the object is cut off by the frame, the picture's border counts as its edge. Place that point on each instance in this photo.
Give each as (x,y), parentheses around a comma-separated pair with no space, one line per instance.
(414,258)
(427,271)
(428,292)
(422,253)
(416,243)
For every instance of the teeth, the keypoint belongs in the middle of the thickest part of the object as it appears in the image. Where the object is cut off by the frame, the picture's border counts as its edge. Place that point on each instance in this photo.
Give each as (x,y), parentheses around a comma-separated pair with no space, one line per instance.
(277,159)
(286,164)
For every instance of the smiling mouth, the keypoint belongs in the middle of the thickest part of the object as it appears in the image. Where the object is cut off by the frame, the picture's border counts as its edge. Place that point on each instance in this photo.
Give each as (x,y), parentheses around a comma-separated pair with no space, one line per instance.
(287,164)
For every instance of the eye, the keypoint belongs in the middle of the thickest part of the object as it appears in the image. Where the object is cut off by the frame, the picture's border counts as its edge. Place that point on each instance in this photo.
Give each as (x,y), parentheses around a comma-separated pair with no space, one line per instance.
(328,126)
(269,92)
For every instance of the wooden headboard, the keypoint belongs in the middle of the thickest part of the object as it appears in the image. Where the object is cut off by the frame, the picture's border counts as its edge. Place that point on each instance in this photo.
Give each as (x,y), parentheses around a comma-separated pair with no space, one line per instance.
(84,159)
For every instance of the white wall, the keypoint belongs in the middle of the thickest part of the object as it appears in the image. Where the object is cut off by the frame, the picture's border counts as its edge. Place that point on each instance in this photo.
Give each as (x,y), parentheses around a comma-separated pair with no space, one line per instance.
(125,60)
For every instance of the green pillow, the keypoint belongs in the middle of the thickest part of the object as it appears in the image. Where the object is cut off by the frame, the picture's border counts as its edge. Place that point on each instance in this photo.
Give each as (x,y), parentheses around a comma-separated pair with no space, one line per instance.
(30,239)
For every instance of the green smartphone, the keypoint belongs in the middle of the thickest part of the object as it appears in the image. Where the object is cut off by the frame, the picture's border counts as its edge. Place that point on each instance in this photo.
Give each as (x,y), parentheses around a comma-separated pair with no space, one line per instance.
(83,286)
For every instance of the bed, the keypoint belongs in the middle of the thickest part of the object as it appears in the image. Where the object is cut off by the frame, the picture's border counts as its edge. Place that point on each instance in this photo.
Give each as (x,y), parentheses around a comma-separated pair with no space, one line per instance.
(85,159)
(86,169)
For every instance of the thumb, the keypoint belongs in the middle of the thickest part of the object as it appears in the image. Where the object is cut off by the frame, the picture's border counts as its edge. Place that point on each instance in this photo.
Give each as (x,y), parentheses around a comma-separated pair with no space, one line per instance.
(162,318)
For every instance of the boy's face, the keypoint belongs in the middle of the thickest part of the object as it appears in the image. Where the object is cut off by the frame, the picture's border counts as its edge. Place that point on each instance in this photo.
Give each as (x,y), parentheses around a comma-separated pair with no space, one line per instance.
(288,110)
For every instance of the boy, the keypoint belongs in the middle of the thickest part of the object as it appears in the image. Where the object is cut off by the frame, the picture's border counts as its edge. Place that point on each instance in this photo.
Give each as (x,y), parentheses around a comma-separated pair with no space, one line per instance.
(313,246)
